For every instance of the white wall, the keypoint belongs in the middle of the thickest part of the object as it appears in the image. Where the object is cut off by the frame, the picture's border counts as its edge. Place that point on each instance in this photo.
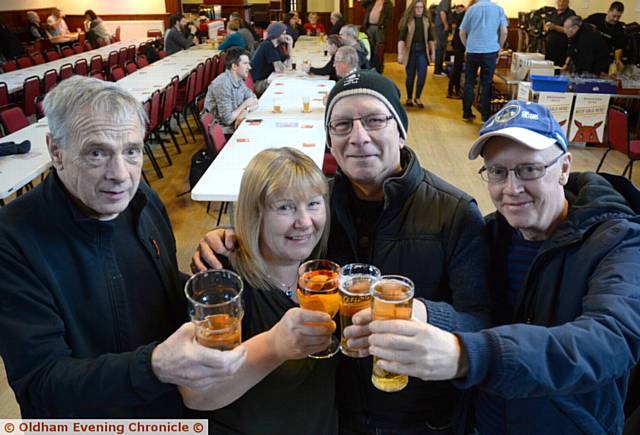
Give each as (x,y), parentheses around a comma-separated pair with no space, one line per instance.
(17,5)
(77,7)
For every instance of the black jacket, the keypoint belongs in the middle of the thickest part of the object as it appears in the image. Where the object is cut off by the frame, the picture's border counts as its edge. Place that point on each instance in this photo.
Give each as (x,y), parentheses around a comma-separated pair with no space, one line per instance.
(434,234)
(64,344)
(589,52)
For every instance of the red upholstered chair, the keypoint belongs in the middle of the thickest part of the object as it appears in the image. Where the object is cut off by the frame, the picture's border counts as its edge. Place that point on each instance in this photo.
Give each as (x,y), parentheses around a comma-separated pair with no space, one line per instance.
(4,94)
(112,60)
(131,67)
(66,71)
(96,64)
(329,164)
(77,48)
(82,67)
(97,75)
(249,82)
(199,76)
(221,66)
(214,67)
(51,55)
(162,54)
(13,119)
(216,136)
(49,80)
(102,43)
(142,61)
(122,56)
(147,147)
(87,46)
(205,77)
(131,53)
(9,65)
(39,106)
(619,138)
(168,103)
(155,123)
(38,58)
(184,102)
(154,33)
(67,51)
(24,62)
(117,73)
(30,90)
(82,38)
(117,35)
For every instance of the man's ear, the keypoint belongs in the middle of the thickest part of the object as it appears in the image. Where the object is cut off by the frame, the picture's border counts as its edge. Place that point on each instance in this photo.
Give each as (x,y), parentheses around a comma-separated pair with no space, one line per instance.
(54,152)
(565,166)
(402,142)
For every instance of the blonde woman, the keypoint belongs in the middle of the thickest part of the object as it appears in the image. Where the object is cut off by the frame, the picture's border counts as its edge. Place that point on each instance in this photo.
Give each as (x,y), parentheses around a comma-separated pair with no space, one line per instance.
(413,49)
(313,27)
(281,221)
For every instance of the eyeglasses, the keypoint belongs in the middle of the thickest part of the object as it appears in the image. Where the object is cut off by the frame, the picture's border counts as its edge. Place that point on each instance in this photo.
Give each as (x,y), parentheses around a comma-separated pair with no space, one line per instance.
(525,171)
(341,127)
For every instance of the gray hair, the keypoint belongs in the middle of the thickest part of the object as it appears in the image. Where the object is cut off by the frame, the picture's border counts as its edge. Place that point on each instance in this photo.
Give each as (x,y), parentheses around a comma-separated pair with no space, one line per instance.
(33,17)
(336,14)
(348,55)
(350,30)
(575,20)
(79,97)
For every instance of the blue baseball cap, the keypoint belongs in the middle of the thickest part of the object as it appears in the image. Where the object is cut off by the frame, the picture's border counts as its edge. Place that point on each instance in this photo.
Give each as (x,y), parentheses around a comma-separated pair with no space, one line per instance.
(527,123)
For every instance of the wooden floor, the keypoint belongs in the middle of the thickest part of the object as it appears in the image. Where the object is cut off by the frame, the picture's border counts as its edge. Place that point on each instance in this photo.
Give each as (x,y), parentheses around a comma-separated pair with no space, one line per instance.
(437,133)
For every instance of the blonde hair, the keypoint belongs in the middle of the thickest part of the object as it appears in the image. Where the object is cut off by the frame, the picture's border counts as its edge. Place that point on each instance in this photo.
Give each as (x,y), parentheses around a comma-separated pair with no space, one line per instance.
(234,25)
(270,173)
(408,13)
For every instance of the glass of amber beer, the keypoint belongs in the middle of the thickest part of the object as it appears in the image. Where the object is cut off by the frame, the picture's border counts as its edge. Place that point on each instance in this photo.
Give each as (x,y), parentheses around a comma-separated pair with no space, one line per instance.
(215,307)
(392,299)
(356,280)
(318,291)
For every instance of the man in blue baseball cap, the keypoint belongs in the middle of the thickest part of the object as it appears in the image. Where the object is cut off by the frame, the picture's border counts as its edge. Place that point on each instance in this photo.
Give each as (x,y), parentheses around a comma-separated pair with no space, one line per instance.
(566,291)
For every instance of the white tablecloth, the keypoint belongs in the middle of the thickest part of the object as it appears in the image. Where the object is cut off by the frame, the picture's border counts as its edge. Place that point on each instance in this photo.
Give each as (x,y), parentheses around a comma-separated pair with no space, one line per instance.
(288,93)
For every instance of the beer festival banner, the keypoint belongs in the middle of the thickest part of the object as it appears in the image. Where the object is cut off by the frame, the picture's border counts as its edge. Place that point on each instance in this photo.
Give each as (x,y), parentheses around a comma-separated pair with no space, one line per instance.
(589,116)
(559,104)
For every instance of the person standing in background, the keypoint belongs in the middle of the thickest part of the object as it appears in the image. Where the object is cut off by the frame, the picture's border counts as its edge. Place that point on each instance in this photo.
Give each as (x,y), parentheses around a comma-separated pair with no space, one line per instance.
(454,90)
(378,15)
(612,30)
(443,27)
(557,42)
(412,49)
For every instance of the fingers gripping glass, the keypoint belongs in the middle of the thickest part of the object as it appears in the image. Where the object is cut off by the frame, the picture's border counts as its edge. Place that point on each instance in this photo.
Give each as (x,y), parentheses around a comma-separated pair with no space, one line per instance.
(525,171)
(341,127)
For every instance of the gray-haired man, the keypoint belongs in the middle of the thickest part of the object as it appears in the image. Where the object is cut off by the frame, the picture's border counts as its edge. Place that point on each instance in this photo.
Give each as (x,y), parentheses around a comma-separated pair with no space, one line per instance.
(90,291)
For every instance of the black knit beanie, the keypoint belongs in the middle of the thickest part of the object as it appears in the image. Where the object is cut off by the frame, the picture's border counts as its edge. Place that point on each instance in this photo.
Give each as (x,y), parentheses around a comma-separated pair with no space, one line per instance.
(368,82)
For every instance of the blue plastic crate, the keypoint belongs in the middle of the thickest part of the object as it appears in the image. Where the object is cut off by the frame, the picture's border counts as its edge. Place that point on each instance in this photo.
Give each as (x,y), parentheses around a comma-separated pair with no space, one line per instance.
(549,83)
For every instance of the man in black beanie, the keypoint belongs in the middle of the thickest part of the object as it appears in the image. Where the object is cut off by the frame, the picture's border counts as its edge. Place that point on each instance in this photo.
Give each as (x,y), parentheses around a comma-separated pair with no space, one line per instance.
(388,211)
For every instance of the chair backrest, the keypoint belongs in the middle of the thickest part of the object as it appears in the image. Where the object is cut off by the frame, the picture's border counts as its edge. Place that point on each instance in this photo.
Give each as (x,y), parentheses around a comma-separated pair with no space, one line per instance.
(77,48)
(131,67)
(168,99)
(38,58)
(162,54)
(97,75)
(117,35)
(199,76)
(4,94)
(82,67)
(112,60)
(51,55)
(87,46)
(24,62)
(154,33)
(117,73)
(249,82)
(221,67)
(102,42)
(13,119)
(217,136)
(9,65)
(39,106)
(82,38)
(147,109)
(67,51)
(205,76)
(618,129)
(122,56)
(49,80)
(96,63)
(142,61)
(154,115)
(191,87)
(175,82)
(131,53)
(214,67)
(206,118)
(30,90)
(66,71)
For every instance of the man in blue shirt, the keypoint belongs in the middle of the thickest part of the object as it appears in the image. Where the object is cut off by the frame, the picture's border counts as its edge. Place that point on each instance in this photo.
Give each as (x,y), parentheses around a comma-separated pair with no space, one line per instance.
(268,57)
(483,31)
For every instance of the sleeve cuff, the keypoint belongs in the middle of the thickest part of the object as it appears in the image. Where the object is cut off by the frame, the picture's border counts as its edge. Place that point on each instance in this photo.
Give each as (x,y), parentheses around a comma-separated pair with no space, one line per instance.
(478,351)
(439,314)
(143,379)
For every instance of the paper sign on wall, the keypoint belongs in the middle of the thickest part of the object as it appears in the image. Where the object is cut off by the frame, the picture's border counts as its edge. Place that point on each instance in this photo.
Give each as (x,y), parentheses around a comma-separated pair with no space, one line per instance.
(524,89)
(559,104)
(589,114)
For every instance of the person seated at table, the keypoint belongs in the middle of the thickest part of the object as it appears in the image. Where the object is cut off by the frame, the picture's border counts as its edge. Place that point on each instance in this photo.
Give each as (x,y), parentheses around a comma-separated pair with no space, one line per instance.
(57,23)
(36,29)
(228,97)
(281,221)
(179,37)
(336,23)
(333,44)
(346,61)
(313,27)
(268,57)
(95,29)
(10,45)
(293,25)
(349,36)
(588,52)
(233,38)
(245,25)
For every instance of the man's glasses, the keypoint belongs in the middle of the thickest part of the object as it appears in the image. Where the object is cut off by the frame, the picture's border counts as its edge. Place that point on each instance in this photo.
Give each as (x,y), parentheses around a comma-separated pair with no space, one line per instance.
(341,127)
(525,171)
